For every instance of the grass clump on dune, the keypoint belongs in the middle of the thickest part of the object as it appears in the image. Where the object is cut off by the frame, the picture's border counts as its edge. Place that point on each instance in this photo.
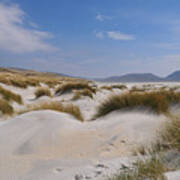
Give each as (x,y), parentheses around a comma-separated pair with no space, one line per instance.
(24,78)
(32,82)
(5,107)
(56,106)
(157,101)
(151,169)
(168,139)
(171,133)
(79,93)
(115,86)
(20,81)
(108,88)
(69,86)
(10,96)
(42,91)
(136,89)
(119,86)
(174,88)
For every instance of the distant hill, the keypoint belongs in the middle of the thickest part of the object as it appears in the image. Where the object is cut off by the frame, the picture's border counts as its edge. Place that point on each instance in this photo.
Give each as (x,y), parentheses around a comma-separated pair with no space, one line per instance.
(135,77)
(175,76)
(29,71)
(132,77)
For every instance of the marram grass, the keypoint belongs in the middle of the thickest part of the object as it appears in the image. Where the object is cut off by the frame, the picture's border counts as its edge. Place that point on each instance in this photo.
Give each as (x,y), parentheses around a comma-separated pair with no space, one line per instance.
(69,86)
(56,106)
(151,169)
(79,93)
(171,132)
(23,79)
(157,101)
(42,91)
(10,96)
(5,107)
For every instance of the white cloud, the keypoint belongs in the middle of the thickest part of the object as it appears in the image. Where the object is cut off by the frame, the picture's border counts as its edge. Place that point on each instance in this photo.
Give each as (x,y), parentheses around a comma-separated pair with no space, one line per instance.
(100,35)
(101,17)
(34,25)
(14,37)
(116,35)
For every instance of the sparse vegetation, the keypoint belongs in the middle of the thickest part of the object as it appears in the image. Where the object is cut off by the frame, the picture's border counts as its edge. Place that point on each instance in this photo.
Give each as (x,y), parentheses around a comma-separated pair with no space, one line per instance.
(69,86)
(171,133)
(119,86)
(115,86)
(5,107)
(79,93)
(12,80)
(10,96)
(42,91)
(147,85)
(155,148)
(163,88)
(154,167)
(167,143)
(151,169)
(136,89)
(174,88)
(18,83)
(25,78)
(56,106)
(109,88)
(157,101)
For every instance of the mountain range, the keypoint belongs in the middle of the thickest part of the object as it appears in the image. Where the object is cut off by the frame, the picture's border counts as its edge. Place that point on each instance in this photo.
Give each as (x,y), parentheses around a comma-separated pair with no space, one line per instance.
(132,77)
(142,77)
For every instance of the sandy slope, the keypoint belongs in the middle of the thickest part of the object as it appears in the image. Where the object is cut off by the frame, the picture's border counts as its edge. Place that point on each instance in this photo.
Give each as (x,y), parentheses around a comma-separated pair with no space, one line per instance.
(50,145)
(47,144)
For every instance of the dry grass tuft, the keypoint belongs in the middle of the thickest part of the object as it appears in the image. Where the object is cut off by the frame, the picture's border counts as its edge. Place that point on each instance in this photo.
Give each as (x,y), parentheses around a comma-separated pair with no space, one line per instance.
(10,96)
(42,91)
(18,83)
(109,88)
(16,80)
(171,133)
(25,78)
(174,88)
(56,106)
(69,86)
(169,139)
(115,86)
(73,110)
(136,89)
(151,169)
(119,86)
(79,93)
(5,107)
(156,147)
(157,101)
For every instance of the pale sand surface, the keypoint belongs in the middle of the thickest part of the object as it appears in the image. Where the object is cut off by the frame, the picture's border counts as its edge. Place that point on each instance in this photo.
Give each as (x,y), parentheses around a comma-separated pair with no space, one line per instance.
(36,144)
(55,146)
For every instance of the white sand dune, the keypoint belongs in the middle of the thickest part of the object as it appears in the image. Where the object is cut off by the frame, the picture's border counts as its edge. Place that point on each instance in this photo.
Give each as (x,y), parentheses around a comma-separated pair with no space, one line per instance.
(52,145)
(49,145)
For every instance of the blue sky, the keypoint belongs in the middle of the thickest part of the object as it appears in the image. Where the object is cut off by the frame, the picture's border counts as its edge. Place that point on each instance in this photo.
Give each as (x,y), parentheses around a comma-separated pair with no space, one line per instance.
(91,38)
